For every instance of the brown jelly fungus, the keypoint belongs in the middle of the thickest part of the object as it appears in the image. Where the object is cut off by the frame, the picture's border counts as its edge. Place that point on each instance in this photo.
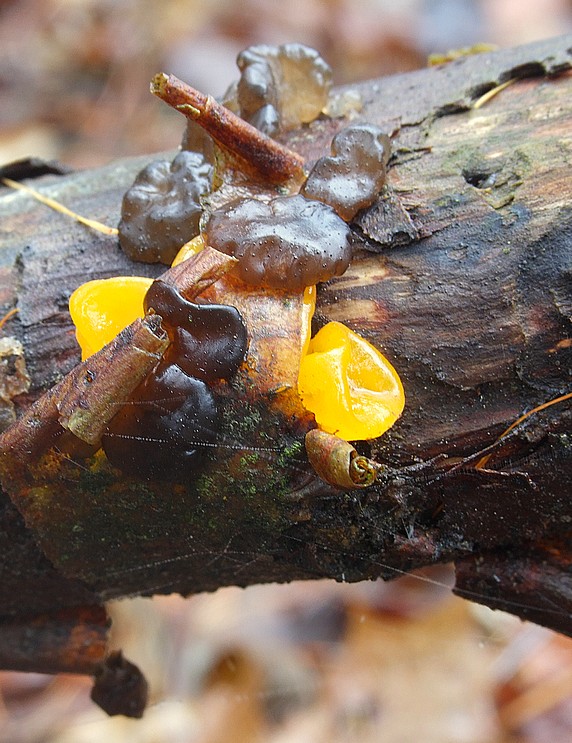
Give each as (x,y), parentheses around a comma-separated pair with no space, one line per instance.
(161,210)
(171,419)
(282,86)
(208,341)
(196,139)
(287,243)
(166,428)
(351,177)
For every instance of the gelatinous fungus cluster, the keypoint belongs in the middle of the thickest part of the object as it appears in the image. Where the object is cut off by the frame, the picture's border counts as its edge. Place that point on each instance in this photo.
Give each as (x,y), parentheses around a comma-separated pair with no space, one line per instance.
(285,238)
(279,88)
(171,419)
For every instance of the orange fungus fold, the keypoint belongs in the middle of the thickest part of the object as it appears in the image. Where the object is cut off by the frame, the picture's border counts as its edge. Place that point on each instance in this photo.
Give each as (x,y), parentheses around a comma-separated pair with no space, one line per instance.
(350,387)
(100,309)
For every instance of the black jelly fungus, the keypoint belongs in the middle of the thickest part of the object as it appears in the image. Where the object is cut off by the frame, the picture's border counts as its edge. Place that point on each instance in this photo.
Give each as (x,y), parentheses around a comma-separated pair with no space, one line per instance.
(208,341)
(166,428)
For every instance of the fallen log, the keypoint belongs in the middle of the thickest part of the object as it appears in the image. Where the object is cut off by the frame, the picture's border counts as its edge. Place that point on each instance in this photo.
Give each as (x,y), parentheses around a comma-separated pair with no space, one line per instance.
(463,279)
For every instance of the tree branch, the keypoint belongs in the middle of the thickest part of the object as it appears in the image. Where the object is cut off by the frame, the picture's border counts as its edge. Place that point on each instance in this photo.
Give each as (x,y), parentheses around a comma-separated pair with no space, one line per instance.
(463,280)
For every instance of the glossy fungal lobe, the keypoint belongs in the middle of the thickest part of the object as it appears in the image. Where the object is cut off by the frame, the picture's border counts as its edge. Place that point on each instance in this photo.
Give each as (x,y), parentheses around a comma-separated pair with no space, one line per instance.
(282,86)
(287,243)
(165,429)
(208,341)
(351,177)
(352,389)
(100,309)
(161,210)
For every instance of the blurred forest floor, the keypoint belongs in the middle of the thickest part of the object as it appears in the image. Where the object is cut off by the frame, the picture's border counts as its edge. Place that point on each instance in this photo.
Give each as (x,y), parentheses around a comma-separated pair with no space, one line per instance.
(318,662)
(74,74)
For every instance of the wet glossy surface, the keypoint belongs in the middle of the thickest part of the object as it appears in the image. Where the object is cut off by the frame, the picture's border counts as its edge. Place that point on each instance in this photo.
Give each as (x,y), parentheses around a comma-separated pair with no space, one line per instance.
(161,210)
(288,243)
(354,174)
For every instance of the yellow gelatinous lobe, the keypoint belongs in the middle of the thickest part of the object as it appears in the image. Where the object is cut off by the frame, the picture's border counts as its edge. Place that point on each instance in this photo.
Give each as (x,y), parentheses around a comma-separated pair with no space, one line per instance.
(100,309)
(188,250)
(307,313)
(352,389)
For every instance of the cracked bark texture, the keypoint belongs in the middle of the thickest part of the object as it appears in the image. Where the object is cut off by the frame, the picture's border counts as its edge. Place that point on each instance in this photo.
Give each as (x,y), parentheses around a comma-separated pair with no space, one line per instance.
(463,279)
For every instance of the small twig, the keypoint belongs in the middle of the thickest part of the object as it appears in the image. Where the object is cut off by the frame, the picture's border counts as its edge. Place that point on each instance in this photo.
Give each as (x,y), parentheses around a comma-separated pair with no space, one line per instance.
(84,401)
(92,393)
(194,275)
(490,94)
(56,206)
(8,316)
(255,151)
(483,461)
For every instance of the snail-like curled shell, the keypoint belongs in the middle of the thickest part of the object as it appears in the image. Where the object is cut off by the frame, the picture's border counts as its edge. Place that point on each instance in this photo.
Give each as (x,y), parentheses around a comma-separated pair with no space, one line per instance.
(337,462)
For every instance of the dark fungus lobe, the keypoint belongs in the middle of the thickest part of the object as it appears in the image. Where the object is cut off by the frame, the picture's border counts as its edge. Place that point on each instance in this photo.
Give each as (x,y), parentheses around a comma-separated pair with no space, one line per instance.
(281,87)
(171,419)
(120,688)
(161,210)
(353,175)
(166,427)
(208,341)
(288,243)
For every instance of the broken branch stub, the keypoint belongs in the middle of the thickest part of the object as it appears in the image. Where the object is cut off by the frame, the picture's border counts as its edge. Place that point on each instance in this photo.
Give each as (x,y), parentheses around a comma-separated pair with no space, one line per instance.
(258,154)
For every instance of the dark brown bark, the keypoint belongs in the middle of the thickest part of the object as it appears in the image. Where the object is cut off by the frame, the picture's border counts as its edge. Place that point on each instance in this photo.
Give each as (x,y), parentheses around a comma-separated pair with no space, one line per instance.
(463,280)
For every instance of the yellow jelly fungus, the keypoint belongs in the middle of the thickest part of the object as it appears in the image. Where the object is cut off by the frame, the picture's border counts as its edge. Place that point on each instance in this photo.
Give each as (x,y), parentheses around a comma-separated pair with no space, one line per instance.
(189,249)
(100,309)
(308,309)
(352,389)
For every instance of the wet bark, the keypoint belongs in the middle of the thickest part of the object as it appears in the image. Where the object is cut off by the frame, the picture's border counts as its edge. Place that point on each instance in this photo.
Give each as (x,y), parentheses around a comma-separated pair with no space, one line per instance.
(463,278)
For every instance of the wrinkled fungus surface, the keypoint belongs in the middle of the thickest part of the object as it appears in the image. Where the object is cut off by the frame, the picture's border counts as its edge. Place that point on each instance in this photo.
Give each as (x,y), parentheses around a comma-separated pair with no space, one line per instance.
(288,243)
(351,177)
(165,429)
(161,210)
(282,86)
